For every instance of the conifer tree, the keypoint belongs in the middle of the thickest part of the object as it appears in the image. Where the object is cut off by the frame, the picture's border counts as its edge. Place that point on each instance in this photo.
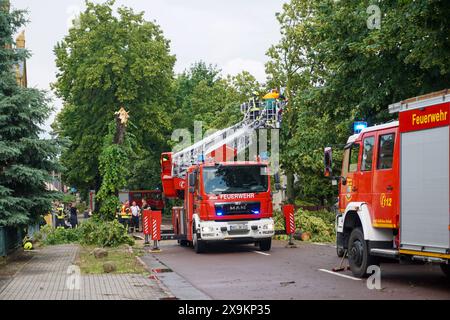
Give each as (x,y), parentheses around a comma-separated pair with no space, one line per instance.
(25,158)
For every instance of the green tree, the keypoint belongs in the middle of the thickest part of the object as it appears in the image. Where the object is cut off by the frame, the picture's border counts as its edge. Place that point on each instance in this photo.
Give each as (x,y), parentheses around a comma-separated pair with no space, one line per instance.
(25,158)
(111,60)
(204,95)
(346,70)
(114,167)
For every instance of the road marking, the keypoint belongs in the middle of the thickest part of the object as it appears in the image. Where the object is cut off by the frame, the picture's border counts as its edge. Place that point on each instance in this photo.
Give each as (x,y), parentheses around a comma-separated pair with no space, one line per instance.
(340,275)
(263,253)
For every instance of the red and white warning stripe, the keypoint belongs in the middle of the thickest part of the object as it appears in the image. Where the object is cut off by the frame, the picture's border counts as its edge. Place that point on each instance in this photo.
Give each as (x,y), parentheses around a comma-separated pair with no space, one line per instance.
(292,223)
(146,230)
(155,229)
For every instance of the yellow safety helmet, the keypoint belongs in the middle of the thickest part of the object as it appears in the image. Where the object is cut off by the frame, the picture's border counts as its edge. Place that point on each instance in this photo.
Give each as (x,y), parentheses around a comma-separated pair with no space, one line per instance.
(28,245)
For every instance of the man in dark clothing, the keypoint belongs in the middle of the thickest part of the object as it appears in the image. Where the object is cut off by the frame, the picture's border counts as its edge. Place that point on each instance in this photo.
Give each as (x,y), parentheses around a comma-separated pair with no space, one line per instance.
(73,216)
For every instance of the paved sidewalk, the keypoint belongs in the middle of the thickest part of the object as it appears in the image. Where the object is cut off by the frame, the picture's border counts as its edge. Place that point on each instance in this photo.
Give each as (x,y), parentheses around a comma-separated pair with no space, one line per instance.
(47,277)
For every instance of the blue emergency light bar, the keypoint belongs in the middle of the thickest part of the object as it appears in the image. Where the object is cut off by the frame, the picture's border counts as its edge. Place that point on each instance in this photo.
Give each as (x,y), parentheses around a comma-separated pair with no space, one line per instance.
(358,126)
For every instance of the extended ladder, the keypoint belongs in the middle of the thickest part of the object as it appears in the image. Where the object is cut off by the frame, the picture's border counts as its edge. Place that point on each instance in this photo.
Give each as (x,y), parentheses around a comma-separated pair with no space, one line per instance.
(239,136)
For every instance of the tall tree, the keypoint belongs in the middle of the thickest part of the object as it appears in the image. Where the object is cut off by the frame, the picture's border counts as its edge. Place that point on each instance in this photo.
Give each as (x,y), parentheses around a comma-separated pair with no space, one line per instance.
(348,68)
(283,71)
(106,61)
(25,158)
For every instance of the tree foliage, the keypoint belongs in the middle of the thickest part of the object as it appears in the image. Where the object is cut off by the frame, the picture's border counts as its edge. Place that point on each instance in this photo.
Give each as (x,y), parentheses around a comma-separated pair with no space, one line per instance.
(25,158)
(114,169)
(202,94)
(111,60)
(338,70)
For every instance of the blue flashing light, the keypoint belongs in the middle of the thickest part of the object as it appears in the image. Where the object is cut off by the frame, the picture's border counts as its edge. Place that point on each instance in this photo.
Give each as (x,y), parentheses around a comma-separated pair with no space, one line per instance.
(219,213)
(255,211)
(358,126)
(264,156)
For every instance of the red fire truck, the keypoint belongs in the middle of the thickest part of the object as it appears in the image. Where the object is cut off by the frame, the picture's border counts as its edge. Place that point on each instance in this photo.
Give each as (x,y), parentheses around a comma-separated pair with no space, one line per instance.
(223,200)
(394,188)
(154,198)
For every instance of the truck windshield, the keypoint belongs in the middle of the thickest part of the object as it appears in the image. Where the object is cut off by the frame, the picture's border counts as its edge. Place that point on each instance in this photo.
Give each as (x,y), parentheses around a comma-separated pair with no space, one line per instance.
(235,179)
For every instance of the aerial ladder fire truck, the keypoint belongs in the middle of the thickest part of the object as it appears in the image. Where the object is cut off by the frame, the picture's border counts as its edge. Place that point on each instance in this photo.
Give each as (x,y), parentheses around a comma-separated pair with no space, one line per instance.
(223,200)
(394,188)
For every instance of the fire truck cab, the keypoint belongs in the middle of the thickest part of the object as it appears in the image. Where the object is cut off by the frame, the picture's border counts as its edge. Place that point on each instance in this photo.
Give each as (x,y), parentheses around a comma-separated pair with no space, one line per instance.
(394,188)
(223,201)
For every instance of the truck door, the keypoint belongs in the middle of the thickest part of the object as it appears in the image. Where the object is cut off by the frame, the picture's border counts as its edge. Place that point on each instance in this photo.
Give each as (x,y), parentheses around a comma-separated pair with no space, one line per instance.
(385,181)
(349,183)
(365,173)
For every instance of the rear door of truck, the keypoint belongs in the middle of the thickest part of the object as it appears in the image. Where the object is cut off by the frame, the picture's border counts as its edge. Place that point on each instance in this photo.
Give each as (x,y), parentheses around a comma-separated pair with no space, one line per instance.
(424,174)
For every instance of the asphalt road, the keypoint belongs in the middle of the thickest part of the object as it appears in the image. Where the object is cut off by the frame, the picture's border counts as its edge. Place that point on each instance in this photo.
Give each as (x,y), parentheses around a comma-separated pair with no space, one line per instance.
(235,272)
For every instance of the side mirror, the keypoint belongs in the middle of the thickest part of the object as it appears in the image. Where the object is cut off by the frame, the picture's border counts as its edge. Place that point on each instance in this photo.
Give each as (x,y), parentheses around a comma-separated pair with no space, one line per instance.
(328,161)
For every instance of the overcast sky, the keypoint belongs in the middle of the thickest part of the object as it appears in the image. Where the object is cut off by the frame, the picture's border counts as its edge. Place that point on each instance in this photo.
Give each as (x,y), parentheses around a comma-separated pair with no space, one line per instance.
(234,34)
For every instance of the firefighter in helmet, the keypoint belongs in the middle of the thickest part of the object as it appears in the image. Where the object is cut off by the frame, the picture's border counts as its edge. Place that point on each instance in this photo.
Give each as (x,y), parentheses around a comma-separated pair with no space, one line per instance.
(271,106)
(60,215)
(255,106)
(125,214)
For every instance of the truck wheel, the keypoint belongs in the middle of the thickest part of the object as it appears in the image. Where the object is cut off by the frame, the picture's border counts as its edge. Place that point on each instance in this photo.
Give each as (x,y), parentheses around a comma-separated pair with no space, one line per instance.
(199,245)
(265,245)
(359,258)
(183,243)
(446,269)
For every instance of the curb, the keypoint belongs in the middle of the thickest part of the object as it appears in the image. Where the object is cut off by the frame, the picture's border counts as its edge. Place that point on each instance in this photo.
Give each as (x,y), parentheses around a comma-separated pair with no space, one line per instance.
(153,276)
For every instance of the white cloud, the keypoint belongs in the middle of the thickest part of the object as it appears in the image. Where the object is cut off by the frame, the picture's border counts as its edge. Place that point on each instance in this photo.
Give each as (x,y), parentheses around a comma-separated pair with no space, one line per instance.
(232,34)
(237,65)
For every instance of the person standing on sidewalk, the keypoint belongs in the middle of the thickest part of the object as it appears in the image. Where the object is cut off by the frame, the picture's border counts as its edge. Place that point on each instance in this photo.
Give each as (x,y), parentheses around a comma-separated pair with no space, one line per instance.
(59,215)
(135,212)
(73,216)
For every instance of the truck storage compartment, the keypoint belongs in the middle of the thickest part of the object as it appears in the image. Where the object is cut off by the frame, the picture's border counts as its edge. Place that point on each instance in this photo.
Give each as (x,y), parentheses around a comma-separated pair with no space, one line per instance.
(424,194)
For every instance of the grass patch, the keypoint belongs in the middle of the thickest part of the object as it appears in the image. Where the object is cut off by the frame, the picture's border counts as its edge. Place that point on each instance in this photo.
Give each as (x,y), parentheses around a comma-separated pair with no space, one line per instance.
(125,261)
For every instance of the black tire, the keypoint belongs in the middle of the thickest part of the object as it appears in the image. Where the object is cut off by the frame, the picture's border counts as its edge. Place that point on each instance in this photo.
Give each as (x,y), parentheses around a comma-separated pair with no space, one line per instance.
(199,245)
(184,243)
(265,245)
(446,269)
(359,258)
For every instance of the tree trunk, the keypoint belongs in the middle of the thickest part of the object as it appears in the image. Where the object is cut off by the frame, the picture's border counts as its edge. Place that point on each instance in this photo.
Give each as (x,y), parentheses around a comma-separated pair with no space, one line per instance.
(291,119)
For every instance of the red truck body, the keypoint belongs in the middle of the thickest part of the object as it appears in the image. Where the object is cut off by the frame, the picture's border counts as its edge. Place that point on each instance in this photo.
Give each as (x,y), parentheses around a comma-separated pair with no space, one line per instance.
(394,188)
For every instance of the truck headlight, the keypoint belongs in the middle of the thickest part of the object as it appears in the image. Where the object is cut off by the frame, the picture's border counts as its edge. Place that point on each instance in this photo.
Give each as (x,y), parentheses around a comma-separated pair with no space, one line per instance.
(268,226)
(207,229)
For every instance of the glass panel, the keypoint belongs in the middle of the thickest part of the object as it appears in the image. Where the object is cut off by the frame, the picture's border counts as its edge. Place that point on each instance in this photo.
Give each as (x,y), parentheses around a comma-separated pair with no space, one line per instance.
(354,154)
(367,158)
(234,179)
(386,151)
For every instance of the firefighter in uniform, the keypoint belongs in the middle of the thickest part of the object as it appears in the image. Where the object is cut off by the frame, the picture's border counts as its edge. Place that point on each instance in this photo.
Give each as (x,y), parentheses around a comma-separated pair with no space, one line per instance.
(270,105)
(60,216)
(125,215)
(255,108)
